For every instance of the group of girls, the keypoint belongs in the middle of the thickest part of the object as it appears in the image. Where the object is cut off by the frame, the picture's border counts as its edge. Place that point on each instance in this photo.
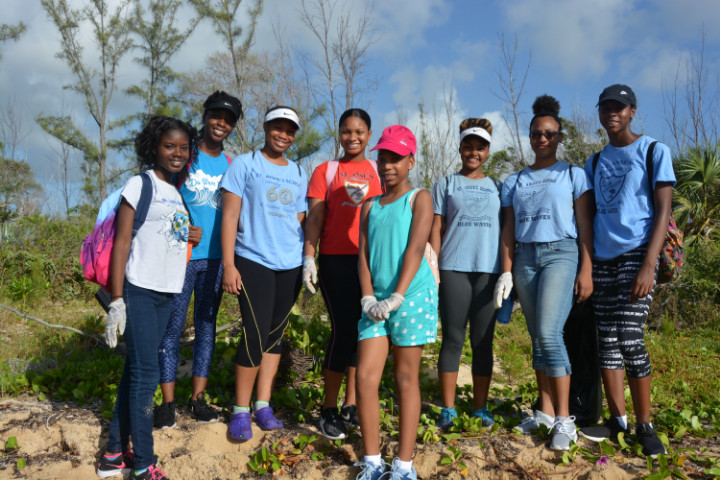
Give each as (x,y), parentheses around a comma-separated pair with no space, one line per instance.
(533,233)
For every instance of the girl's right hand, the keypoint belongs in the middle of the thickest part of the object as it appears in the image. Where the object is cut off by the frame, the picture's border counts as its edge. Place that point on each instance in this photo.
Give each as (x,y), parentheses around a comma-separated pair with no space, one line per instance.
(231,281)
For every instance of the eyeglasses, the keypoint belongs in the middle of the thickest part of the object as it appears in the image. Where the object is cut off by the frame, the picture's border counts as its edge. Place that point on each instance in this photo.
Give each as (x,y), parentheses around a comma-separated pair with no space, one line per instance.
(537,134)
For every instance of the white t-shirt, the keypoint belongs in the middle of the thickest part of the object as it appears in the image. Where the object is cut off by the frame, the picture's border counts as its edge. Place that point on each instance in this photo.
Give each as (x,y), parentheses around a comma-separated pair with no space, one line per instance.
(158,253)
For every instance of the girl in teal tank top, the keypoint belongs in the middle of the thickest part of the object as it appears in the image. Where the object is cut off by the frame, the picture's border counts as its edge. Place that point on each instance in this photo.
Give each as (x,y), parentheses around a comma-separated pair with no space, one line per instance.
(399,300)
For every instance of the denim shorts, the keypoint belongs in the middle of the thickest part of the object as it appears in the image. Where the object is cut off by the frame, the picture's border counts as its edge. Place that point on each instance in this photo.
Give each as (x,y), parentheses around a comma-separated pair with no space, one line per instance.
(544,278)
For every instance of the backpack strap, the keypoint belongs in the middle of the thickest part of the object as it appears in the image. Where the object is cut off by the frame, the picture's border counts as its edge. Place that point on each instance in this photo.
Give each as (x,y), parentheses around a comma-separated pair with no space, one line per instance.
(228,158)
(143,205)
(595,160)
(649,166)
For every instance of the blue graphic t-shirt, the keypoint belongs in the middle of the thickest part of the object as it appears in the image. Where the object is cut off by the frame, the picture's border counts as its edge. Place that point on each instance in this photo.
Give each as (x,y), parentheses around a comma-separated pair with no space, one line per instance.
(202,196)
(272,196)
(623,197)
(471,208)
(543,201)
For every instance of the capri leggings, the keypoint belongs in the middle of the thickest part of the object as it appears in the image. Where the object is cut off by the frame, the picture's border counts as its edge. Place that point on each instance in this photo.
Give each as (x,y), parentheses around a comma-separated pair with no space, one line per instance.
(204,277)
(467,297)
(340,287)
(621,322)
(265,301)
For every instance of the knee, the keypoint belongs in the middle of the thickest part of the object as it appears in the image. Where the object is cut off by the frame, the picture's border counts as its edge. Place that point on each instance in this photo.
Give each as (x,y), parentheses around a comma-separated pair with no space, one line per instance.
(405,380)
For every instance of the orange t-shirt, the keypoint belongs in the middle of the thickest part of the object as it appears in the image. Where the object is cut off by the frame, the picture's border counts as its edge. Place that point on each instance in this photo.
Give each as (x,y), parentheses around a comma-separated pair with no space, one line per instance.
(353,183)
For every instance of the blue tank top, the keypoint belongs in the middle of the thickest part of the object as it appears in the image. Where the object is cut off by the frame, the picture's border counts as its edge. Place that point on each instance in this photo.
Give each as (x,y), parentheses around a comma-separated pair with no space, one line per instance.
(388,236)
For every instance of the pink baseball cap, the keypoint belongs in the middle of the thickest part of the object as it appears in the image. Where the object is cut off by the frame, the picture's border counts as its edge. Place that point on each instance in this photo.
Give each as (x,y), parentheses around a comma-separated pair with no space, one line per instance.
(397,139)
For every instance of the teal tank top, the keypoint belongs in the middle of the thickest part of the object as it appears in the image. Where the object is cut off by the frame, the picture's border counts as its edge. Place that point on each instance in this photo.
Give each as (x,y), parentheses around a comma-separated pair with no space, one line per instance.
(388,236)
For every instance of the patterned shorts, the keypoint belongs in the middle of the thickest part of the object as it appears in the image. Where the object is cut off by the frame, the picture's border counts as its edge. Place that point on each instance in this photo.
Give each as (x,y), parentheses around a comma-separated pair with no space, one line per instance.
(414,323)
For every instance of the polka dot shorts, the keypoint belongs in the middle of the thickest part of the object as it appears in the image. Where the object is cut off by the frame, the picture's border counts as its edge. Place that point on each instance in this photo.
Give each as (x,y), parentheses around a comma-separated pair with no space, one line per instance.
(414,323)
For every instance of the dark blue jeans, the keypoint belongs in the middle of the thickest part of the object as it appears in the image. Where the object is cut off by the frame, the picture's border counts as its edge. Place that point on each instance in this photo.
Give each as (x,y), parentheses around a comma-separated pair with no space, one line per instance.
(147,317)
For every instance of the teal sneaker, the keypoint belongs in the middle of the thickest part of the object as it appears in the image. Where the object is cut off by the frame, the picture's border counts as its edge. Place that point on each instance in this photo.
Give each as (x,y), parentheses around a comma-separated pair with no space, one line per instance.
(485,415)
(446,418)
(396,473)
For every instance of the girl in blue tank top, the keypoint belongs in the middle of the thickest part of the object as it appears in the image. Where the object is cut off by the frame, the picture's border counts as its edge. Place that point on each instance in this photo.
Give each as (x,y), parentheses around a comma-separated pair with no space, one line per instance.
(399,300)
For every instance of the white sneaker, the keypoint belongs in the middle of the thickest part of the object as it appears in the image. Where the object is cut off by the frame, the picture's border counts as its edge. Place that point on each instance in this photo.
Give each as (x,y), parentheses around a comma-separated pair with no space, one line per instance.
(529,424)
(563,433)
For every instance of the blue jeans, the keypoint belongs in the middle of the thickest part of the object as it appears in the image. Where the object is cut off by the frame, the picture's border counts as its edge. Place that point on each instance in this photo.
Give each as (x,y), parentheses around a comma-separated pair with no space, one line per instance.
(544,278)
(147,317)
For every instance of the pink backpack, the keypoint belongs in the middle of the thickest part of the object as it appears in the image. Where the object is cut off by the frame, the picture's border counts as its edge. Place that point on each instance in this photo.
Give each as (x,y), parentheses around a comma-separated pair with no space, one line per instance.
(96,253)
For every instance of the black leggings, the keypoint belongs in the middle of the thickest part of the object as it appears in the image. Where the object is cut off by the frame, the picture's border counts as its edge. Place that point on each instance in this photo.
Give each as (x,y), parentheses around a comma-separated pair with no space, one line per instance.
(265,301)
(467,297)
(340,287)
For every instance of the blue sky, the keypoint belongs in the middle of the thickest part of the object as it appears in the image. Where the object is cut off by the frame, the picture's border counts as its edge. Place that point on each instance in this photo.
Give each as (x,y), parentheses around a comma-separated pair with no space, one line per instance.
(423,48)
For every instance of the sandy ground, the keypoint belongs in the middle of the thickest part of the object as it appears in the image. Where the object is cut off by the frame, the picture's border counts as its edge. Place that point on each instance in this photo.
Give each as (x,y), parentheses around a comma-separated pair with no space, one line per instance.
(61,442)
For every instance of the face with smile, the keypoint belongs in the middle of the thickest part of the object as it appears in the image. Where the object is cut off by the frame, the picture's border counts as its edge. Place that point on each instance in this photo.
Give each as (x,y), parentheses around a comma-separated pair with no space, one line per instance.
(171,153)
(354,136)
(219,124)
(474,153)
(545,137)
(279,135)
(615,117)
(394,168)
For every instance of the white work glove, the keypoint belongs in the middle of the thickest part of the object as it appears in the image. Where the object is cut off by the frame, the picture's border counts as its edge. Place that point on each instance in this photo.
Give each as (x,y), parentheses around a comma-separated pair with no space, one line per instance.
(368,303)
(502,289)
(115,322)
(309,273)
(383,308)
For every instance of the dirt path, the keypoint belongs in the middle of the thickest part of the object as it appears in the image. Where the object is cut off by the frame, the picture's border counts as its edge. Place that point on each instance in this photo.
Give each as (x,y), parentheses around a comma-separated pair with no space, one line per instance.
(61,443)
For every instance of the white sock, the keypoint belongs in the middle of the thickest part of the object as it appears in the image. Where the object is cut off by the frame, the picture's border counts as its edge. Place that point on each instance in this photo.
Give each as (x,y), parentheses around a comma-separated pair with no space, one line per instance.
(622,421)
(373,459)
(261,404)
(404,466)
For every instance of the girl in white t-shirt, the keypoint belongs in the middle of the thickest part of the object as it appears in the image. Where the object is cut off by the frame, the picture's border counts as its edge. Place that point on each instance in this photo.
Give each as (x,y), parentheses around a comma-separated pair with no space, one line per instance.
(147,268)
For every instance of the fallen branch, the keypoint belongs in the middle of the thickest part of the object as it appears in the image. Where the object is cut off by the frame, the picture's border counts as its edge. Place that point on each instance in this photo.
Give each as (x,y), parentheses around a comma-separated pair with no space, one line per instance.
(50,325)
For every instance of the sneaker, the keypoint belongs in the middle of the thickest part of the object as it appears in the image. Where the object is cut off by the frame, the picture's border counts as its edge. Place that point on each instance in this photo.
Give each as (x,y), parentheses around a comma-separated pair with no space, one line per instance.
(530,424)
(165,416)
(446,418)
(119,466)
(608,430)
(651,444)
(152,473)
(370,471)
(202,412)
(349,415)
(563,433)
(485,415)
(396,474)
(331,424)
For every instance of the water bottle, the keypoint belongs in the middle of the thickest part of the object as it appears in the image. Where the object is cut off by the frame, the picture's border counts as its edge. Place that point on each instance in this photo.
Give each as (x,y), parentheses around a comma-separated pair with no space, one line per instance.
(505,311)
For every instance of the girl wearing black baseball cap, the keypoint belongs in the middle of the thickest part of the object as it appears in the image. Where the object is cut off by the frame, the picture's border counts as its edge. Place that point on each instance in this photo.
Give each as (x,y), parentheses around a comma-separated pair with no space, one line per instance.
(633,209)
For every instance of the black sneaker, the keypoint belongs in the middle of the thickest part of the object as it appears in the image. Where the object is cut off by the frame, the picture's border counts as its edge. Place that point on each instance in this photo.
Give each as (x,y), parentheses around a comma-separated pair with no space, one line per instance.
(119,466)
(165,416)
(202,412)
(608,430)
(651,444)
(331,424)
(349,414)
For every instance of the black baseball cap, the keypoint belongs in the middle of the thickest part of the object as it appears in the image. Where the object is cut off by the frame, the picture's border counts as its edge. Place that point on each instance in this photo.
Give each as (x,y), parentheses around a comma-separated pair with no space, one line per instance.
(221,104)
(618,92)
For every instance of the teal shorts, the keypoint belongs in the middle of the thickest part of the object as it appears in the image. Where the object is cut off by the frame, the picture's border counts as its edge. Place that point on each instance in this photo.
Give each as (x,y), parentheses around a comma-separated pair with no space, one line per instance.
(413,323)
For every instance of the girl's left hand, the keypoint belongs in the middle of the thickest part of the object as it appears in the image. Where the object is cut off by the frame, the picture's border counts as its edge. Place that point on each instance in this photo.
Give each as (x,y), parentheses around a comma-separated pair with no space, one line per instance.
(194,234)
(584,285)
(643,283)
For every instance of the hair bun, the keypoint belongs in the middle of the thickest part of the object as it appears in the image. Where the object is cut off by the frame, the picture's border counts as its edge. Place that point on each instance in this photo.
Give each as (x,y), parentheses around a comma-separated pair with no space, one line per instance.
(546,104)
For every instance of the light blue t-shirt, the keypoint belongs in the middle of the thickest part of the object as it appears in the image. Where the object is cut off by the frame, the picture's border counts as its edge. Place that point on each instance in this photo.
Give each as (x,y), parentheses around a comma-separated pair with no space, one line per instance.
(272,195)
(543,201)
(471,208)
(202,196)
(623,197)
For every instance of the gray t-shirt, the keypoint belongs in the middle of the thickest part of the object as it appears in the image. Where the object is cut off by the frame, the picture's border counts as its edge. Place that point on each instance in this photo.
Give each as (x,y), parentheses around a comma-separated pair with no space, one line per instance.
(471,208)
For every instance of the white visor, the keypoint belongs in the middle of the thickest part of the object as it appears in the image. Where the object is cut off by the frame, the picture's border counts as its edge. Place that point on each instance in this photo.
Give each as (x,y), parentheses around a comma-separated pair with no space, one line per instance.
(477,131)
(285,113)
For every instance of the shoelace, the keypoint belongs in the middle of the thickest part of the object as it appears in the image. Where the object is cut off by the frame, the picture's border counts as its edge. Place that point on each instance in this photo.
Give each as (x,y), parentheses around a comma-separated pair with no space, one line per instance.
(366,467)
(156,473)
(566,426)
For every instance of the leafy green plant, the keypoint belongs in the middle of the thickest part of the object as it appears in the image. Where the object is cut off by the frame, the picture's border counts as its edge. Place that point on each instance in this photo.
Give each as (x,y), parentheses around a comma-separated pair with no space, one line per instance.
(266,460)
(454,458)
